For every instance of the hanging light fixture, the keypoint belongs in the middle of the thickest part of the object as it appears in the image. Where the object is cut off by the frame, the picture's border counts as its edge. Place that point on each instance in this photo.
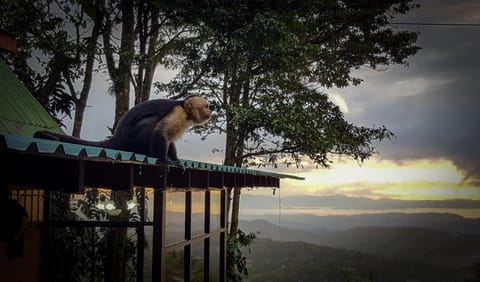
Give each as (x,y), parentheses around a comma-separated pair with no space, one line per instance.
(100,205)
(111,208)
(131,204)
(109,205)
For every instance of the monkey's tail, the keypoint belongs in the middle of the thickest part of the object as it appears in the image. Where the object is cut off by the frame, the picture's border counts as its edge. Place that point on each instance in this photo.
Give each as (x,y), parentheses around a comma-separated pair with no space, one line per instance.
(66,138)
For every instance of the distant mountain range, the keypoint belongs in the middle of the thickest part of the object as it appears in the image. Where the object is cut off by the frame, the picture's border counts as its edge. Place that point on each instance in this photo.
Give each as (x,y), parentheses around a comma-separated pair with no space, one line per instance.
(387,247)
(345,202)
(405,243)
(433,221)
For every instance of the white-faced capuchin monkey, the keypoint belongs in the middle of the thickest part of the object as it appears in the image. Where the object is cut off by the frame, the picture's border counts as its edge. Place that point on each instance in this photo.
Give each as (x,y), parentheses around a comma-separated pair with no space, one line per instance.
(150,128)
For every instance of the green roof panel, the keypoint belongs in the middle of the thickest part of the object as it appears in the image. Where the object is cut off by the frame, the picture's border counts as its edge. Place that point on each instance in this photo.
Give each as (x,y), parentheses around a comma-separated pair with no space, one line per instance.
(20,112)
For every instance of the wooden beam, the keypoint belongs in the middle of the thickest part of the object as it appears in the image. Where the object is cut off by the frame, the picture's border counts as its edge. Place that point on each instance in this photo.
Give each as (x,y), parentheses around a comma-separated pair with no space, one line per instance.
(8,42)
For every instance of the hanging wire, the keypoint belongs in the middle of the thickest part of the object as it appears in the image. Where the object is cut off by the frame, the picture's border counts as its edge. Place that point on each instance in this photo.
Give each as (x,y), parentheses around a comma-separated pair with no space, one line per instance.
(279,208)
(437,24)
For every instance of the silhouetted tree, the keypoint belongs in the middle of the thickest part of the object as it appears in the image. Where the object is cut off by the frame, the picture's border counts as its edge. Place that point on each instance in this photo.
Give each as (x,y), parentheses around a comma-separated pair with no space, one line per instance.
(264,63)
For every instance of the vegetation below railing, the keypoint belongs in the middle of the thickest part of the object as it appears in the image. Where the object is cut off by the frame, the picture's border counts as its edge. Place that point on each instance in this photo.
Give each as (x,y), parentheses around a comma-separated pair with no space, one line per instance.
(237,243)
(300,261)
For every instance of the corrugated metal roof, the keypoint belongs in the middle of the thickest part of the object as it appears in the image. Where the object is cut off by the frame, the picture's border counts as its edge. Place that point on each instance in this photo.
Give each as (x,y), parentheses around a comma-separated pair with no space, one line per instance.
(20,112)
(21,115)
(36,145)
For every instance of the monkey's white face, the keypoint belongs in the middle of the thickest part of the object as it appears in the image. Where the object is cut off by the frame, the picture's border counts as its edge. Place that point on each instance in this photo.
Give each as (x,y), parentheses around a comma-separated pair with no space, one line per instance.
(198,110)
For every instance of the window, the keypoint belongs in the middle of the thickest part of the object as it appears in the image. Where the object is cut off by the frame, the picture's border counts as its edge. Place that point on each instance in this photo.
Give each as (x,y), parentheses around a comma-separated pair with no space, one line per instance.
(199,252)
(31,200)
(90,233)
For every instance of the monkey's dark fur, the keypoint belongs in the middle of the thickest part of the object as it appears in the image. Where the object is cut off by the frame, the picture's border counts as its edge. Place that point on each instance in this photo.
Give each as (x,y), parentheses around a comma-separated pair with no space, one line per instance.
(149,128)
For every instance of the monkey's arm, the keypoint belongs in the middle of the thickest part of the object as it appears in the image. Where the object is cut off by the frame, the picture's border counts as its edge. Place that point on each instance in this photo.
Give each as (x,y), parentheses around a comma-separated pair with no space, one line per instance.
(172,155)
(159,145)
(161,149)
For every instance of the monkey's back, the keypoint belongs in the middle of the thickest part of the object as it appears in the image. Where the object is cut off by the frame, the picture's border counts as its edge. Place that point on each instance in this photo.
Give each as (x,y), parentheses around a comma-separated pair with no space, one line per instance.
(135,128)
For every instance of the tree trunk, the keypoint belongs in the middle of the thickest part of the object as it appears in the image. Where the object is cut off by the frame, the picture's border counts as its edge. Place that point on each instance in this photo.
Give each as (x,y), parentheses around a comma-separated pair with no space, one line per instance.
(229,156)
(125,61)
(121,75)
(97,16)
(117,241)
(148,79)
(232,143)
(242,89)
(235,210)
(148,64)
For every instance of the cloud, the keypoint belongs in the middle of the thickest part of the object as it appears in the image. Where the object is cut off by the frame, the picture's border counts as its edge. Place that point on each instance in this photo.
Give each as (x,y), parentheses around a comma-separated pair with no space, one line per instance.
(432,105)
(413,179)
(339,101)
(406,190)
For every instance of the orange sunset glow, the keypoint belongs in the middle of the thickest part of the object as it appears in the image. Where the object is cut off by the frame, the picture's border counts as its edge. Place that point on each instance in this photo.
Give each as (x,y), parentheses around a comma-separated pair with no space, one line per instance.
(410,180)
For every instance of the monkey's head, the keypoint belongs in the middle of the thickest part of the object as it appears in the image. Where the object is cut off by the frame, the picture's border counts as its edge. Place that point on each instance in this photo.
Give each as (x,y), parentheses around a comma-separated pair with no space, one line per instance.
(197,109)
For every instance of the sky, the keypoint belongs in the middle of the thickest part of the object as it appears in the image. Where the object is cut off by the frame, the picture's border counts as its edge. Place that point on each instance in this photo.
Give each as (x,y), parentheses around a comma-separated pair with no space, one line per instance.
(431,106)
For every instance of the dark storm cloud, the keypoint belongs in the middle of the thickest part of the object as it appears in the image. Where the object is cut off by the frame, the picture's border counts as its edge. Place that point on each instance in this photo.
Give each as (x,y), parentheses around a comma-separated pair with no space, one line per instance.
(433,106)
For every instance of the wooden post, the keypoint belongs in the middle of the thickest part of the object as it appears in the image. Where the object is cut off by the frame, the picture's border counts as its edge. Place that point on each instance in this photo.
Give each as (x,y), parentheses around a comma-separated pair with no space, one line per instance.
(159,222)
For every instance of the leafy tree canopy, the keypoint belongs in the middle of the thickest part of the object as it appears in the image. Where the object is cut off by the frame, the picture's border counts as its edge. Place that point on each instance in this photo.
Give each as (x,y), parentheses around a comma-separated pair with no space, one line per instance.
(264,63)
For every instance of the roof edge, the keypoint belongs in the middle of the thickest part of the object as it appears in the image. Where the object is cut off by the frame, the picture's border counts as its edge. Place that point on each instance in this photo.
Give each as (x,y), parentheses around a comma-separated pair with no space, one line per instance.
(26,144)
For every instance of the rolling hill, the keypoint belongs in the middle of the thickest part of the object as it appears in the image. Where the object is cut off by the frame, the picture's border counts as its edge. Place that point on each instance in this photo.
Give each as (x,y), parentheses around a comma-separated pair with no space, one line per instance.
(300,261)
(400,243)
(434,221)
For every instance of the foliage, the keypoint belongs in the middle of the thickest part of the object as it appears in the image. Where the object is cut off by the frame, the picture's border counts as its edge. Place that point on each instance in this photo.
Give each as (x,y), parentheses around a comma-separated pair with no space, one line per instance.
(83,253)
(300,261)
(265,64)
(303,123)
(236,262)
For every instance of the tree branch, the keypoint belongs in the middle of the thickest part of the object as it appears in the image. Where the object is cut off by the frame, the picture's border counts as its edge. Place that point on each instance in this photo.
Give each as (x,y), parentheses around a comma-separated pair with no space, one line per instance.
(108,50)
(270,152)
